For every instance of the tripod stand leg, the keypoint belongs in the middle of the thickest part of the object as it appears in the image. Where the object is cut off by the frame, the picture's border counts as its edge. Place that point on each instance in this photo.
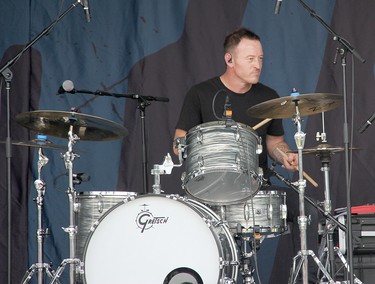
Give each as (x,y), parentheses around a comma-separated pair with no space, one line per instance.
(345,263)
(40,267)
(303,258)
(321,267)
(295,268)
(59,271)
(29,274)
(75,262)
(51,273)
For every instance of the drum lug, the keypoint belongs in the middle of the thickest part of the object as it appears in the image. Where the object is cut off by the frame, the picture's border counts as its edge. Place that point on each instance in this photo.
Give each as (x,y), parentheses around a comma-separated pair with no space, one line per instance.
(246,212)
(237,135)
(200,161)
(223,263)
(175,197)
(238,161)
(199,136)
(76,207)
(81,268)
(100,204)
(270,211)
(283,211)
(183,177)
(94,225)
(260,175)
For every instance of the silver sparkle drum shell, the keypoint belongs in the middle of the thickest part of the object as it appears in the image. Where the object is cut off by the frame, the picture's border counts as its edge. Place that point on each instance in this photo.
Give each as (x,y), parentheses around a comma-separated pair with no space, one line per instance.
(89,207)
(222,163)
(265,213)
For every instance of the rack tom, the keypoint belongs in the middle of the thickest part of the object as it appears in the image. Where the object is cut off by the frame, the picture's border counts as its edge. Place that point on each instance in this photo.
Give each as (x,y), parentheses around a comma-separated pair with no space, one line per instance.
(222,162)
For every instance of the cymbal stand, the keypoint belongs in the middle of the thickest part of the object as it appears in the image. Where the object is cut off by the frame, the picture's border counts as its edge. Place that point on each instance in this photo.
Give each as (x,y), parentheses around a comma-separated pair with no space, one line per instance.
(40,186)
(302,255)
(325,158)
(327,215)
(74,262)
(8,76)
(328,249)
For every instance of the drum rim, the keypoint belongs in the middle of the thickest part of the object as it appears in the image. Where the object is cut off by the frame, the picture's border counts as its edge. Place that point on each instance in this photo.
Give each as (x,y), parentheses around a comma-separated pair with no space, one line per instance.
(222,123)
(95,193)
(220,203)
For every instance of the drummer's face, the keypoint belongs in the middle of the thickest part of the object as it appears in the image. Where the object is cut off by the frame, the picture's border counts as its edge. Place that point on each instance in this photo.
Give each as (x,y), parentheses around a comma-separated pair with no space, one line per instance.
(248,60)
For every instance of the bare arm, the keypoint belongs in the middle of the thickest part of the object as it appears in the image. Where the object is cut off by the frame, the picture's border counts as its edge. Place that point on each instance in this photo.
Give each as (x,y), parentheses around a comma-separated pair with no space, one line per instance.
(275,144)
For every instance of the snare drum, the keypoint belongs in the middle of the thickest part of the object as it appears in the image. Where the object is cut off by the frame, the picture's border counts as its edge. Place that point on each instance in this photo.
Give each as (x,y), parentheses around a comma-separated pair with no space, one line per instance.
(265,213)
(90,206)
(160,239)
(221,162)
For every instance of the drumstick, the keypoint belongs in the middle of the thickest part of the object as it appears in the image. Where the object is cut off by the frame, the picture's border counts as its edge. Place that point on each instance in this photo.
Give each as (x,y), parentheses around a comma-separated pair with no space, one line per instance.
(261,123)
(313,182)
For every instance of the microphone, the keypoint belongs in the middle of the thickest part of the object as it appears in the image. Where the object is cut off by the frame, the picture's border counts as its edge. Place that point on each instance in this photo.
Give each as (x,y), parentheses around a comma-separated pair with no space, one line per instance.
(85,4)
(367,123)
(66,87)
(278,6)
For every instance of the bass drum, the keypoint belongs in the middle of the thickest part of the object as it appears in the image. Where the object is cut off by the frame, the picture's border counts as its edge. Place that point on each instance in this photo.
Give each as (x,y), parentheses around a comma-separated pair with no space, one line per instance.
(160,239)
(90,206)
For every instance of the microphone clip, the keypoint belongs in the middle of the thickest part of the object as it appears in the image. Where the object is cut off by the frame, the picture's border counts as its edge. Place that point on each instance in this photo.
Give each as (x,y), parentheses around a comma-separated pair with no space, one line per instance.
(227,114)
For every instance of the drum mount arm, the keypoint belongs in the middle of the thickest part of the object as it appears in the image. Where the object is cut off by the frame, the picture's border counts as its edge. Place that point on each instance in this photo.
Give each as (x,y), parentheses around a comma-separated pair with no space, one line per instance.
(163,169)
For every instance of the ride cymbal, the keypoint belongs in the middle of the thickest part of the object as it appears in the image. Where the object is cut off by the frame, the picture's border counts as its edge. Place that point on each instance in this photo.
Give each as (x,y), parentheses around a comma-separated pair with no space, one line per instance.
(57,123)
(285,107)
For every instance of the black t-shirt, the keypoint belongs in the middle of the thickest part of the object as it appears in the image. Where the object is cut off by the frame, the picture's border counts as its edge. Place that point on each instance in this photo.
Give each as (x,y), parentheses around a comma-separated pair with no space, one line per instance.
(205,102)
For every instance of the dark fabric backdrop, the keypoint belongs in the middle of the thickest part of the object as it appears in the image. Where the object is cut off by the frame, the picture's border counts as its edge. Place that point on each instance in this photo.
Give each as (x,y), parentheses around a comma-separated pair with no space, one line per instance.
(161,48)
(25,85)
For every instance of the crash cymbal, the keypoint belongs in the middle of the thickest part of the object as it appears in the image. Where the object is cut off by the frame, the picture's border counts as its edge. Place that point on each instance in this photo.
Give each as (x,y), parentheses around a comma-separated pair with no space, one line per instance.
(322,149)
(284,107)
(37,143)
(57,123)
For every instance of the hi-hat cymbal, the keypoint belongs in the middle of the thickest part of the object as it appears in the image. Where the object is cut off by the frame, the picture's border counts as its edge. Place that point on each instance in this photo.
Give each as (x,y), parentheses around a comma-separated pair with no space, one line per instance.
(57,123)
(322,149)
(285,107)
(37,143)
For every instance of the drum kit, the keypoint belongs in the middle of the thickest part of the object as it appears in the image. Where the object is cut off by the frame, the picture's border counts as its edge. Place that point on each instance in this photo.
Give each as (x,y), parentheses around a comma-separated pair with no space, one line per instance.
(125,237)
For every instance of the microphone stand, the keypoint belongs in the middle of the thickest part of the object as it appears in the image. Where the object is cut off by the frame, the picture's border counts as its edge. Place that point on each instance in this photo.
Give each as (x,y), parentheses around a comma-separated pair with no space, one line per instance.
(345,47)
(142,103)
(7,74)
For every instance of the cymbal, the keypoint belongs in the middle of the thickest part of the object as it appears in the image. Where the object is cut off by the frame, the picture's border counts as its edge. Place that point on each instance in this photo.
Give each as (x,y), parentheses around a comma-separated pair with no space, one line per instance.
(284,107)
(322,149)
(57,123)
(37,143)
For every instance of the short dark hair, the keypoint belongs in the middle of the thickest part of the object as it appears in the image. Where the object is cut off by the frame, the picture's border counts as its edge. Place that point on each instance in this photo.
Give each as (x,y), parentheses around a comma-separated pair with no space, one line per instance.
(234,38)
